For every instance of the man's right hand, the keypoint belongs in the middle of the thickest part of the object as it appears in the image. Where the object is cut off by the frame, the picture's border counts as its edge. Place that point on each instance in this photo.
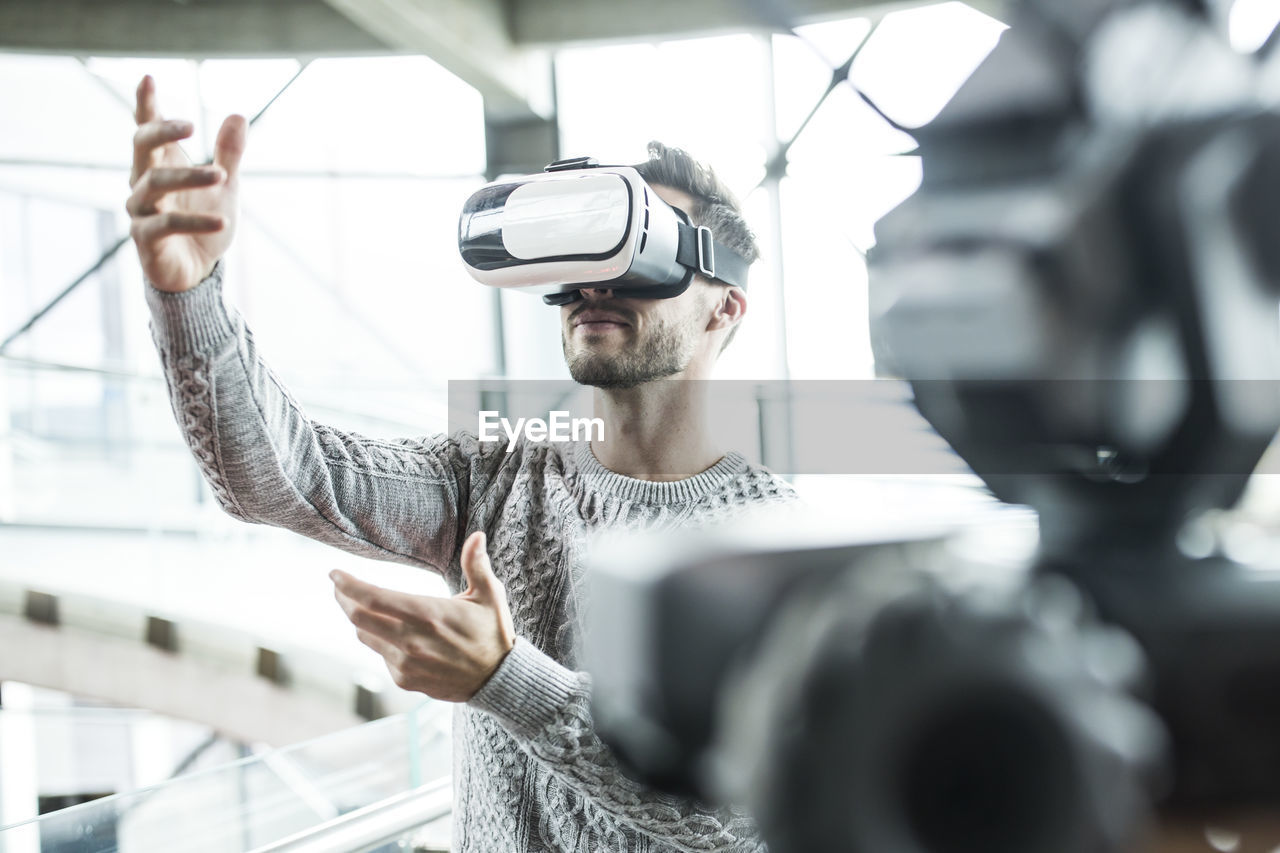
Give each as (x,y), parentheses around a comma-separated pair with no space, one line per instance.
(183,216)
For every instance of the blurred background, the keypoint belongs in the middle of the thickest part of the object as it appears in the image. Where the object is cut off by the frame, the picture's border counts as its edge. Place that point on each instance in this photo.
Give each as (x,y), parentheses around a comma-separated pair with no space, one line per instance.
(146,636)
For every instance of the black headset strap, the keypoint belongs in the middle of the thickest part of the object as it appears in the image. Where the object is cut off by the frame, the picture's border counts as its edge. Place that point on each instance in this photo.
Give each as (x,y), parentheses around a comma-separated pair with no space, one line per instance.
(705,255)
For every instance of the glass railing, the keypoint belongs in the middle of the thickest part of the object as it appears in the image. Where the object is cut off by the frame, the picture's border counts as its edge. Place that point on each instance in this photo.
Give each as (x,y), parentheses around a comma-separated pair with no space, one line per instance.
(382,783)
(411,821)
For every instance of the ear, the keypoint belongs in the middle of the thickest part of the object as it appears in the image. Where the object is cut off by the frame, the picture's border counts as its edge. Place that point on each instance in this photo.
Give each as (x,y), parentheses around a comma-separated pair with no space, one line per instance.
(729,309)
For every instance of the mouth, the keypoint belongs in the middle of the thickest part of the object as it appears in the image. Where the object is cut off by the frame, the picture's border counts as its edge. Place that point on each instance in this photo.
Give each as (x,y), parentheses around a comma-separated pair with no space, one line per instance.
(598,321)
(600,326)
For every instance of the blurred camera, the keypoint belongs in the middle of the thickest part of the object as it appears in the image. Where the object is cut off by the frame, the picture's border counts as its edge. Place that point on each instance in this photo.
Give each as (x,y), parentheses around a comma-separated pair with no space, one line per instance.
(1083,297)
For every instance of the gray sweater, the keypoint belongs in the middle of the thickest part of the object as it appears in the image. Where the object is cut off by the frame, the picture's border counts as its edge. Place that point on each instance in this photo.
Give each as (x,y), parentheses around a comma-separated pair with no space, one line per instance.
(530,773)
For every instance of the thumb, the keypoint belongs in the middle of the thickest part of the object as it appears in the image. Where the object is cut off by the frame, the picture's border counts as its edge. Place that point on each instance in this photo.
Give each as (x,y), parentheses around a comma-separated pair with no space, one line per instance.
(481,581)
(229,147)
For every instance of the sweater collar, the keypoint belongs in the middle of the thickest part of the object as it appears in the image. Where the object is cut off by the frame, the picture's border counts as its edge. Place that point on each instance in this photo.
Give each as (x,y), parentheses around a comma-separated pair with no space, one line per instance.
(599,478)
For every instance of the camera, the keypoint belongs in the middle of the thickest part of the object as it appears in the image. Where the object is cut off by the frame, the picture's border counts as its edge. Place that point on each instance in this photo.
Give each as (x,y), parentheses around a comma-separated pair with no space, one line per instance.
(1083,297)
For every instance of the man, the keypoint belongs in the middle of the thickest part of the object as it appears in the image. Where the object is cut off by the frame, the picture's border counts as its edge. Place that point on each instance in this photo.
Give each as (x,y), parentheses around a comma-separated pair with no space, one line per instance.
(530,773)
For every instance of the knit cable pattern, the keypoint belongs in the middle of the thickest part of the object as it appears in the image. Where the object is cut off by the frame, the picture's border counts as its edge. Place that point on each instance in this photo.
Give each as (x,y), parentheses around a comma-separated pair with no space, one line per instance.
(191,394)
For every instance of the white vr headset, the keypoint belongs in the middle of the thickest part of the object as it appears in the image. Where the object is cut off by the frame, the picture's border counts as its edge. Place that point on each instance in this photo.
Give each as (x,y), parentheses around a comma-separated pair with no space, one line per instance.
(579,225)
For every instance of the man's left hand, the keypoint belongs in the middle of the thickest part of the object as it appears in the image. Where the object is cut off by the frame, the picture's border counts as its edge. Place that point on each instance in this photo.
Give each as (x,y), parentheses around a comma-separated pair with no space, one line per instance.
(444,647)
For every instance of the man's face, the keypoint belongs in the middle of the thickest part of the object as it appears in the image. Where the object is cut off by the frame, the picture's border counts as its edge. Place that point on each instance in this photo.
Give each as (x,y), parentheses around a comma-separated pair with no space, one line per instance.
(619,342)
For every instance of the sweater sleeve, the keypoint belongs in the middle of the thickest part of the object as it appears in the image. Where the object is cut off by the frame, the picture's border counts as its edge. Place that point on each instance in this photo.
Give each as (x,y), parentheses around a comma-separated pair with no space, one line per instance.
(546,707)
(267,462)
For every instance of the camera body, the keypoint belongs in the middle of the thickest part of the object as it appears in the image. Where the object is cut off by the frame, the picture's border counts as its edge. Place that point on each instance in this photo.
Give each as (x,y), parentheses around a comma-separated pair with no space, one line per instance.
(887,694)
(1083,295)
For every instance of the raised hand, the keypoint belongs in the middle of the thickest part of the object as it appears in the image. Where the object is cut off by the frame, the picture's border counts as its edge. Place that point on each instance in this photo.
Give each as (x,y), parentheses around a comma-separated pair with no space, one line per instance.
(183,216)
(444,647)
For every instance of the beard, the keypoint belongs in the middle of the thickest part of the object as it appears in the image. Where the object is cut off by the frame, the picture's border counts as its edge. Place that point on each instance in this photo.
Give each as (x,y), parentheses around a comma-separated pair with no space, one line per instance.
(664,351)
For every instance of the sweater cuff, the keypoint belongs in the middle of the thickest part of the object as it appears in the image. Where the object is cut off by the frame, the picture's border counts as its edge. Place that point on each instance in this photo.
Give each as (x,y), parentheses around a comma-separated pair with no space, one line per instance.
(527,690)
(192,321)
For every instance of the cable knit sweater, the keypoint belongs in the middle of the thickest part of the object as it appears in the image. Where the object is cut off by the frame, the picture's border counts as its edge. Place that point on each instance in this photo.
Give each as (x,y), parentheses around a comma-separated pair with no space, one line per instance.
(530,773)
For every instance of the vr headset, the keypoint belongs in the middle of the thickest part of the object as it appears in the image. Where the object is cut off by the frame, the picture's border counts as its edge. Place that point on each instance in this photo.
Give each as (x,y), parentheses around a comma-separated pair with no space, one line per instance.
(579,224)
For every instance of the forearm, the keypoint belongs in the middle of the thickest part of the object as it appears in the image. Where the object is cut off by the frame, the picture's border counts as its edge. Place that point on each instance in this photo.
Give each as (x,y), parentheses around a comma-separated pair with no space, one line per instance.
(546,707)
(267,462)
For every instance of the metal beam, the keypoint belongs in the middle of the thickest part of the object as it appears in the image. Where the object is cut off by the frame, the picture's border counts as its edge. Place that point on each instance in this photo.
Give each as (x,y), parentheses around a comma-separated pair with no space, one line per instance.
(195,28)
(65,292)
(519,146)
(471,39)
(559,22)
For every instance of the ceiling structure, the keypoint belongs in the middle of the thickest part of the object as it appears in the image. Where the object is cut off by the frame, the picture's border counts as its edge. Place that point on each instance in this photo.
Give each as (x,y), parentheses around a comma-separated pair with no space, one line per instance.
(501,47)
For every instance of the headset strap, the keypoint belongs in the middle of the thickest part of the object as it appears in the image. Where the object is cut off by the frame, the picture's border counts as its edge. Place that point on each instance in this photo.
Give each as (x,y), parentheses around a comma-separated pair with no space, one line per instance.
(705,255)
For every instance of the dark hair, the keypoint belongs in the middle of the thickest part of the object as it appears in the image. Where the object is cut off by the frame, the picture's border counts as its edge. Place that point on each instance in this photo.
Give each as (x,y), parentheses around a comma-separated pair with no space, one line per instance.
(714,205)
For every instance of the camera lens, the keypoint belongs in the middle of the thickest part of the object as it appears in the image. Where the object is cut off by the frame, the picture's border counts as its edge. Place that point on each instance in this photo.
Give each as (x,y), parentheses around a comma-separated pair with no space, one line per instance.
(986,774)
(938,721)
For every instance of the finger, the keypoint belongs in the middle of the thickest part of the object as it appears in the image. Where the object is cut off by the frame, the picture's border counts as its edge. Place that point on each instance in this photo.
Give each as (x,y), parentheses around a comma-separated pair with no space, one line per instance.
(152,136)
(229,146)
(399,605)
(477,568)
(146,106)
(389,629)
(156,133)
(156,183)
(148,229)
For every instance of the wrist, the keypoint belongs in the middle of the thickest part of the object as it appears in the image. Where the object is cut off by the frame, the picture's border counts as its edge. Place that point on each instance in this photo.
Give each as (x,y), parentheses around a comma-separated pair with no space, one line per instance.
(527,690)
(192,320)
(505,646)
(203,273)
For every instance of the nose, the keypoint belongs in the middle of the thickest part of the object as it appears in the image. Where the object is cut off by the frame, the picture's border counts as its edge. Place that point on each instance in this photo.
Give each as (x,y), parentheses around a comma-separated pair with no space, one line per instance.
(596,292)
